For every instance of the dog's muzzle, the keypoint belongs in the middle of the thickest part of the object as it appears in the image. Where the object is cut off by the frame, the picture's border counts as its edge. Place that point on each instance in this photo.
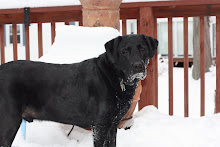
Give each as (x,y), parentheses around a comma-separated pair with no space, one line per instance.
(138,72)
(138,67)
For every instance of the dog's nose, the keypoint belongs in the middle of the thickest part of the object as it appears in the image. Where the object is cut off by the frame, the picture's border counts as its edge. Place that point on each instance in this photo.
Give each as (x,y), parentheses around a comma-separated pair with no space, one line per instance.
(138,67)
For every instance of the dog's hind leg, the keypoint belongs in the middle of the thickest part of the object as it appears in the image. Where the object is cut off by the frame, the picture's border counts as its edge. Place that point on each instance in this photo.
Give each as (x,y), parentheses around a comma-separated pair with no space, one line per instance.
(10,120)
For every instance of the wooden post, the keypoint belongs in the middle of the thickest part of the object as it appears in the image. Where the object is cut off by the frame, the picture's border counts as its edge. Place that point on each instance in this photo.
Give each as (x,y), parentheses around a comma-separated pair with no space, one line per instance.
(186,63)
(15,51)
(170,56)
(2,42)
(97,13)
(217,104)
(124,27)
(147,27)
(53,32)
(80,23)
(202,64)
(27,44)
(40,40)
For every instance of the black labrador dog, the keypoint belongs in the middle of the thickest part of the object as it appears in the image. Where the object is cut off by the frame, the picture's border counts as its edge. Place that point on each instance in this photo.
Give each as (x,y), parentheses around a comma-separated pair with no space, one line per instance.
(95,93)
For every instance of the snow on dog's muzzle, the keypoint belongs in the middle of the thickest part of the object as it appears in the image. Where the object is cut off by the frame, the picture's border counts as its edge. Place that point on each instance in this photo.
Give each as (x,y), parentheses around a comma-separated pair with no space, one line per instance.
(139,76)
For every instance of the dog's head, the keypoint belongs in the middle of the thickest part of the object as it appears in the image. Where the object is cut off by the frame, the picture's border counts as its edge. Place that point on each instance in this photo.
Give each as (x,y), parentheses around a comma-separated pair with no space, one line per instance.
(130,55)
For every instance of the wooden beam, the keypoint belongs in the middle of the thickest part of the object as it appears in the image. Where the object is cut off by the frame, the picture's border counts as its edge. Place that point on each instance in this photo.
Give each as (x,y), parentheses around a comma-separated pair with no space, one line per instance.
(170,56)
(202,64)
(53,32)
(186,66)
(124,27)
(2,42)
(56,9)
(217,103)
(27,44)
(40,40)
(129,13)
(15,50)
(148,85)
(190,11)
(68,14)
(156,65)
(80,23)
(138,26)
(42,17)
(181,59)
(42,9)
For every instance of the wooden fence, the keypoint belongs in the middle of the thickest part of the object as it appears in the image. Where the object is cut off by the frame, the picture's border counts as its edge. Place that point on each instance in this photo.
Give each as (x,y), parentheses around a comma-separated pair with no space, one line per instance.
(146,14)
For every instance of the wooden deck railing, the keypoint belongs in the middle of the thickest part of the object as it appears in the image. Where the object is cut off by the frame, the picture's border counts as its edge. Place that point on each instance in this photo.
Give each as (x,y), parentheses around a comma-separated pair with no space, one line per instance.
(146,14)
(169,10)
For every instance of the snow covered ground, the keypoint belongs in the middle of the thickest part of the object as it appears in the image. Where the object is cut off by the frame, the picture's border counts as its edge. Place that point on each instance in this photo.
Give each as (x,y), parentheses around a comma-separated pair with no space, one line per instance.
(150,127)
(178,91)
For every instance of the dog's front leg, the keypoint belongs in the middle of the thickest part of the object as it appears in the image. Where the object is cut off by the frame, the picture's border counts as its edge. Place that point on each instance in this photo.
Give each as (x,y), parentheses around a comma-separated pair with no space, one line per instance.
(112,133)
(100,135)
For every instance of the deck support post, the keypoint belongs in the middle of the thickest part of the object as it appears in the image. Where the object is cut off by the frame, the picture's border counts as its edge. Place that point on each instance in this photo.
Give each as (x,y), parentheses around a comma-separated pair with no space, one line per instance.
(149,89)
(98,13)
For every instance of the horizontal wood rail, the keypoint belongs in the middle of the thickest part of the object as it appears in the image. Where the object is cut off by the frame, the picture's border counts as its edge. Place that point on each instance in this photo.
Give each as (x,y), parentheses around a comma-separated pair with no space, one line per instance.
(161,9)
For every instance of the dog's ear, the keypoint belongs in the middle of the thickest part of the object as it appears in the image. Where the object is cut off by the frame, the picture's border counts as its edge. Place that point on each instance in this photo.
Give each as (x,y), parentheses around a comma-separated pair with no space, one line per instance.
(111,48)
(152,44)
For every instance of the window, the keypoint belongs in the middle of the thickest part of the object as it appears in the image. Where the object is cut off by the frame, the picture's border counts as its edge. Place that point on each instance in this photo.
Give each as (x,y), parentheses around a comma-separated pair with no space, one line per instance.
(132,28)
(18,34)
(178,38)
(163,38)
(214,40)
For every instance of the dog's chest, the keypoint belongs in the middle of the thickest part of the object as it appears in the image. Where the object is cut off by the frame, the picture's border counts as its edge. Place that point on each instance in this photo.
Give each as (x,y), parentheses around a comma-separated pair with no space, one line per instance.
(124,100)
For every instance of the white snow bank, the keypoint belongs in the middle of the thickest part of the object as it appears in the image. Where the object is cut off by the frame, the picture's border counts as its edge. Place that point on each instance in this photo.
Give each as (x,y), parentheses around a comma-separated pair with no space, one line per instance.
(131,1)
(75,44)
(153,129)
(150,128)
(10,4)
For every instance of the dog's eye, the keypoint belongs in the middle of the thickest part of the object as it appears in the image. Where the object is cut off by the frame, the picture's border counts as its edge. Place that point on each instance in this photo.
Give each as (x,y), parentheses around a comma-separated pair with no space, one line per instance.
(125,51)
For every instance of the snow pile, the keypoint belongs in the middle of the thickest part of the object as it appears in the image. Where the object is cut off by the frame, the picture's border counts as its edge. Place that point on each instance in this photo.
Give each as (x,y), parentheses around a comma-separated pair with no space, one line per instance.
(131,1)
(178,91)
(75,44)
(150,128)
(10,4)
(162,65)
(153,129)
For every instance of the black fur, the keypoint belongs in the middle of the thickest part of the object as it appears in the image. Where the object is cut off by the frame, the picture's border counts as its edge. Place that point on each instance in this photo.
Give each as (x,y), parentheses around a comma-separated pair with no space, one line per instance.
(86,94)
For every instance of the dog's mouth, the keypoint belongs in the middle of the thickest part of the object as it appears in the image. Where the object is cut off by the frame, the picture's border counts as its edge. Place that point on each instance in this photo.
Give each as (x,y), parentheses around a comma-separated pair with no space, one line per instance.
(139,76)
(134,78)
